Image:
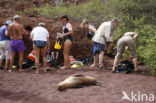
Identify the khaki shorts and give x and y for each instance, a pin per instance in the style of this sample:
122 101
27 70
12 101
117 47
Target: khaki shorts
5 49
122 43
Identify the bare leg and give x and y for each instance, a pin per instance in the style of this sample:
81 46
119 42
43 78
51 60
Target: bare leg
115 63
135 61
37 55
20 61
67 46
101 56
12 60
95 63
6 64
43 53
1 60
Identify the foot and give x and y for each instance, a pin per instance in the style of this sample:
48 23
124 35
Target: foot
45 70
6 68
1 68
136 71
20 70
10 70
93 65
102 67
37 72
113 71
64 67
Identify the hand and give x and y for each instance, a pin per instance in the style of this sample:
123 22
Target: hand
61 36
113 41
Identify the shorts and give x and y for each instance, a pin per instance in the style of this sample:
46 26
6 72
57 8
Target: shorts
122 43
97 48
17 45
5 49
39 44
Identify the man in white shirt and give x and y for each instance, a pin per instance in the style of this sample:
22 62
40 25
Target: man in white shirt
103 35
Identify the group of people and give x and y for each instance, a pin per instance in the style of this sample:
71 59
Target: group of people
103 36
11 41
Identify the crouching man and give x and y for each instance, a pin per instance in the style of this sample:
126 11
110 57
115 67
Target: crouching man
127 40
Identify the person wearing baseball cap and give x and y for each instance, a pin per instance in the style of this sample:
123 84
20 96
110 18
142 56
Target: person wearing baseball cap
4 44
15 32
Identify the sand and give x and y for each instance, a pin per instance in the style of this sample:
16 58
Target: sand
28 87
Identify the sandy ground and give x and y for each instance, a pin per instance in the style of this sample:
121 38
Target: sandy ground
28 87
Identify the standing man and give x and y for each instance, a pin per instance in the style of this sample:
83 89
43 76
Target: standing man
4 45
15 32
103 35
127 40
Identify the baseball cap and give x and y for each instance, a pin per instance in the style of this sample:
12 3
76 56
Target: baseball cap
8 22
16 17
41 24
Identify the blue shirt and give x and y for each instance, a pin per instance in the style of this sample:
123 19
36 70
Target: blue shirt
3 29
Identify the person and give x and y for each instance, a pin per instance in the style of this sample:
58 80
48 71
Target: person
127 40
40 38
103 35
67 37
15 32
5 45
91 29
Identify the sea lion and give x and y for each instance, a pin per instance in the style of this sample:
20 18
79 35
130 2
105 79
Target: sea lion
76 80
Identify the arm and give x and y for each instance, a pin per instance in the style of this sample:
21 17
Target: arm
92 28
6 34
8 31
69 27
69 33
135 35
31 36
24 31
48 43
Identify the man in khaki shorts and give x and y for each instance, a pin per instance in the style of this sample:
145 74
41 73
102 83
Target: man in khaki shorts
127 40
4 45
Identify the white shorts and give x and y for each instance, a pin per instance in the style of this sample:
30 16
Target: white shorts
5 51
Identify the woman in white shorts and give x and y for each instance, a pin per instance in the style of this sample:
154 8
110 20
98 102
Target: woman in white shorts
4 45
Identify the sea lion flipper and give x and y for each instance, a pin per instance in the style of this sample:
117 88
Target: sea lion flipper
99 84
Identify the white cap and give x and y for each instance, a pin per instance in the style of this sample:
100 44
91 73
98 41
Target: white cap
16 17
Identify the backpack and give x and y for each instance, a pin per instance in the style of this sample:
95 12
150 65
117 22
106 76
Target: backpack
126 66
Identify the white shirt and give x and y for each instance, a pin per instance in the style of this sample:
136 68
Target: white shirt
40 33
103 33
